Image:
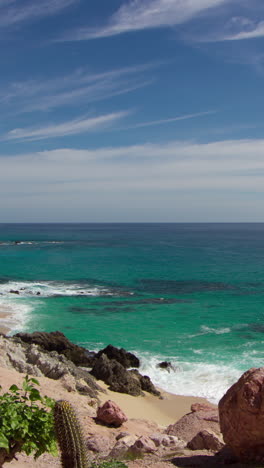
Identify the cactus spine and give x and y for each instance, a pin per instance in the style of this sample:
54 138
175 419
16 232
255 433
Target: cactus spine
70 437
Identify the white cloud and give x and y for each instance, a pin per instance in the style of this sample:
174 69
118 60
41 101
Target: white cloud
222 180
14 12
72 127
80 86
146 14
251 31
170 120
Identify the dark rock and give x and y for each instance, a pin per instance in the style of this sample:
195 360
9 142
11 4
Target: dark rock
145 382
13 291
166 365
120 379
116 376
120 355
57 341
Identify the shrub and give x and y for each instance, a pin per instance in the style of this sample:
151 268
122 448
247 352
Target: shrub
26 422
109 464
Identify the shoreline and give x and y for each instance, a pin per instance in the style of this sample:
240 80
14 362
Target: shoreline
4 314
162 411
170 405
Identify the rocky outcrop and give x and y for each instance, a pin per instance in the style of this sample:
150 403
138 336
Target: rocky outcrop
120 379
57 341
122 356
111 414
241 412
189 425
30 359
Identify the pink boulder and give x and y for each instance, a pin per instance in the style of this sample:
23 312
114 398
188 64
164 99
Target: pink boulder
189 425
241 412
111 414
143 445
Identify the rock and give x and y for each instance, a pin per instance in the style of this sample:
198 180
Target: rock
30 359
206 440
12 291
57 341
145 383
68 382
99 443
111 414
82 387
122 446
116 376
169 441
189 425
241 412
120 355
201 407
121 435
143 445
166 365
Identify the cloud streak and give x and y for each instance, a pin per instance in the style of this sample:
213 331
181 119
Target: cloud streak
14 12
69 90
135 15
170 120
72 127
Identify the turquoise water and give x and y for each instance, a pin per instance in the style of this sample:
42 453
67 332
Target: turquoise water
189 293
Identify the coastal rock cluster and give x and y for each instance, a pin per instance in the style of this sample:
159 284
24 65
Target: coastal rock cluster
54 356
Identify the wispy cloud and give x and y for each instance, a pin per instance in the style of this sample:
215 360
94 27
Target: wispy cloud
71 127
170 120
14 11
80 86
146 14
249 30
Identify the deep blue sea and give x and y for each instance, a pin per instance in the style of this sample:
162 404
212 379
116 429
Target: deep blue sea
192 294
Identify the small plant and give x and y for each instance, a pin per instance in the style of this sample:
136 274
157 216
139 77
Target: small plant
109 464
70 437
26 422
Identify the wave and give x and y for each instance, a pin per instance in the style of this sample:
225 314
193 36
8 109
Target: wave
200 379
29 242
13 315
51 289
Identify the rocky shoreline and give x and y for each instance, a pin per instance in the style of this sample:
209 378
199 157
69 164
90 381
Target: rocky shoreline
113 401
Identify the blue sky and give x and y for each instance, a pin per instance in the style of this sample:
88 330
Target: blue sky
131 110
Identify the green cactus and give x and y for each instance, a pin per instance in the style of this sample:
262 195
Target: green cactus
70 437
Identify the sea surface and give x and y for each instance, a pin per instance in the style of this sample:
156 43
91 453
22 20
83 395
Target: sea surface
191 294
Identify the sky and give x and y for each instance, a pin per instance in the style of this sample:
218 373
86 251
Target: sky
132 111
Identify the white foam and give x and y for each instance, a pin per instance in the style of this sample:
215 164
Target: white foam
14 315
205 330
216 331
48 289
199 379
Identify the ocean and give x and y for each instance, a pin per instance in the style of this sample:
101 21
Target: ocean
191 294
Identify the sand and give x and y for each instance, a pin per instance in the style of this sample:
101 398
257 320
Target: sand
163 411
